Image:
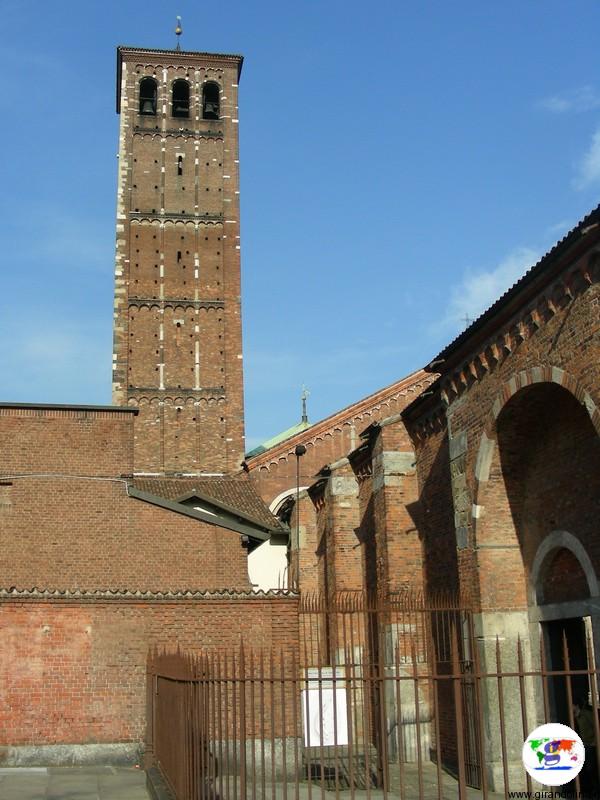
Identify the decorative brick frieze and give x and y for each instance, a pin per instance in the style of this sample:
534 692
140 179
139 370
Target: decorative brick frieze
555 299
200 217
179 132
154 302
125 595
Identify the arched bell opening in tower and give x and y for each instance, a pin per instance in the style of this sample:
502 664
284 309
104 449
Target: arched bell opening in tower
148 93
210 101
181 99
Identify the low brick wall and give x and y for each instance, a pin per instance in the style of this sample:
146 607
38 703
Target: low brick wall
73 671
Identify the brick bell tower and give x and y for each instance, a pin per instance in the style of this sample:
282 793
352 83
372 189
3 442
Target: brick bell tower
177 317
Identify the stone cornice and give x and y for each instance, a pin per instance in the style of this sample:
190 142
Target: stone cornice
181 56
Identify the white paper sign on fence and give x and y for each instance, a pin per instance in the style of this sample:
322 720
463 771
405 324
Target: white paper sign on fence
325 718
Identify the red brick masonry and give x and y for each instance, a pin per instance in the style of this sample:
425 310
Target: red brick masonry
74 671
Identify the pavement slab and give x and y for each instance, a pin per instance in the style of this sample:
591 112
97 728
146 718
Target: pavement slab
72 783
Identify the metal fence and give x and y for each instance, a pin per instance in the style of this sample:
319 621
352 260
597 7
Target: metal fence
385 698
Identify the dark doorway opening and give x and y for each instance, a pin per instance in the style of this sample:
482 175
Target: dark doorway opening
556 634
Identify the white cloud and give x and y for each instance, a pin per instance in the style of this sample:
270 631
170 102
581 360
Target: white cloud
558 230
584 98
589 166
479 289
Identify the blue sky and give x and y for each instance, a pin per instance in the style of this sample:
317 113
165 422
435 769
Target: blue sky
401 163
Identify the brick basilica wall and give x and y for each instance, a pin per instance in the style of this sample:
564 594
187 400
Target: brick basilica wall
458 492
518 418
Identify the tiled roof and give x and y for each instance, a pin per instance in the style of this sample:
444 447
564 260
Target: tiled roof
280 437
237 495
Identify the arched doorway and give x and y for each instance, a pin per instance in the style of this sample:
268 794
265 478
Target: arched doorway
542 475
538 477
564 589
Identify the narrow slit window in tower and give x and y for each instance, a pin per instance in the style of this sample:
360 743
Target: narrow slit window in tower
180 165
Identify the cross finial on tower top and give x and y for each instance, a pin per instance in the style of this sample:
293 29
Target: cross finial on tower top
304 395
178 32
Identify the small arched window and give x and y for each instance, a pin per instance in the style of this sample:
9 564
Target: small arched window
210 101
181 99
148 92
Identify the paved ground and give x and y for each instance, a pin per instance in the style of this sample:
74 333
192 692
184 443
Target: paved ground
120 783
72 783
402 787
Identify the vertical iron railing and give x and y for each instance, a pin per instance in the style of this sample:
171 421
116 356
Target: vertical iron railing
400 700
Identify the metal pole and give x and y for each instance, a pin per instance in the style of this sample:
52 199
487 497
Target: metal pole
299 451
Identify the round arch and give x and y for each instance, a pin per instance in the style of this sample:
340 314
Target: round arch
278 501
562 540
488 440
